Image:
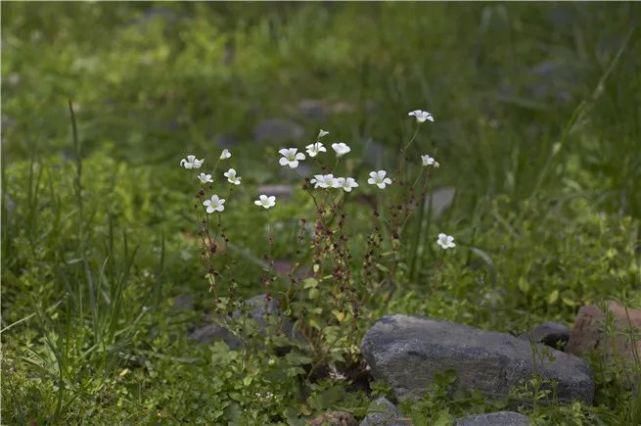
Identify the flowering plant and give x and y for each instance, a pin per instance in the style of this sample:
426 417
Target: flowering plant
341 272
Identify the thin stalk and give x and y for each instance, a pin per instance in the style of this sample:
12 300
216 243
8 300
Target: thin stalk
418 236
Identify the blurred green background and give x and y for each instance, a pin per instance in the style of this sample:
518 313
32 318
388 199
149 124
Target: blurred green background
538 128
153 81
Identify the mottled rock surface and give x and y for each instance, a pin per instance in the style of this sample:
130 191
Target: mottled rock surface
407 352
500 418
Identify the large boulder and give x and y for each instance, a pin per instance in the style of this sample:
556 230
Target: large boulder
408 352
500 418
590 332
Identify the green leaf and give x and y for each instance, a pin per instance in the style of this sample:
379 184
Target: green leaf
524 286
297 358
310 283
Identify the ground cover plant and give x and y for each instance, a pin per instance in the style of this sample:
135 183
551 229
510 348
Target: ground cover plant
108 268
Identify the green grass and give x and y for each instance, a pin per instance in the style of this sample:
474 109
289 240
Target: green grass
538 127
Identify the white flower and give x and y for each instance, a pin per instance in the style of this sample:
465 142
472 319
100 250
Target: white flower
445 241
314 149
421 116
191 162
205 178
225 154
214 204
290 157
337 375
341 149
265 201
429 161
378 178
323 181
322 133
345 183
231 177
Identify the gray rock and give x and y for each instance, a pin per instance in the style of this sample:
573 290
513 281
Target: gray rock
263 312
374 153
280 191
214 332
551 334
303 170
407 352
500 418
6 122
314 109
168 15
184 302
440 200
554 80
381 412
277 129
226 140
11 208
258 309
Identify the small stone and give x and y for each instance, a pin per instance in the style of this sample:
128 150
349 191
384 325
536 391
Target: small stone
551 334
589 332
11 208
440 200
226 140
334 418
259 309
214 332
256 308
283 267
342 107
278 130
374 153
313 109
409 352
500 418
184 302
287 268
280 191
381 412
